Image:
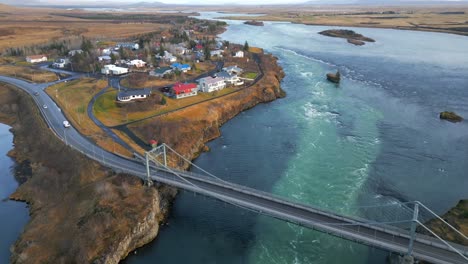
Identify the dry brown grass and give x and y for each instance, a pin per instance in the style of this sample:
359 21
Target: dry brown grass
28 74
414 18
28 26
151 82
107 111
73 98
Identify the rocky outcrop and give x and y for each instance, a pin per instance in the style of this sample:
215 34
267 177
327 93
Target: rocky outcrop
356 42
450 116
80 211
457 217
189 129
352 37
334 77
254 23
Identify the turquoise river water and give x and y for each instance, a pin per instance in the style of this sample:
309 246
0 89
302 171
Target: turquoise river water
375 139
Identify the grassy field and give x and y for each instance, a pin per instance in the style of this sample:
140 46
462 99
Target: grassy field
108 112
21 27
450 19
151 82
28 74
250 75
73 98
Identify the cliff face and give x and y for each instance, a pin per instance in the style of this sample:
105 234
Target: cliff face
80 212
189 129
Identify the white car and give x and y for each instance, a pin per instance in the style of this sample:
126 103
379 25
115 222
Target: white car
66 123
45 106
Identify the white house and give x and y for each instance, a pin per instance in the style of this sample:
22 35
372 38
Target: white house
239 54
72 53
137 63
233 70
128 45
138 94
218 53
104 58
230 78
114 70
210 84
169 57
36 58
60 63
106 51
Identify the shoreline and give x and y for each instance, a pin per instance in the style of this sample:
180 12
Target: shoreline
36 189
105 231
371 26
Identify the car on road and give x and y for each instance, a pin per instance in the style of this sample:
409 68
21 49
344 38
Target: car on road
45 106
66 123
36 93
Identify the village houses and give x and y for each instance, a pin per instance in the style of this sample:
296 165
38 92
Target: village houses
161 72
60 63
127 45
36 58
182 90
211 84
181 67
126 96
239 54
114 70
137 63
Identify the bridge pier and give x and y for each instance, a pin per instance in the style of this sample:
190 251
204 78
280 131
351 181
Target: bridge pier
398 259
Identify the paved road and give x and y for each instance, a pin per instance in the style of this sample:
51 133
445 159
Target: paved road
384 237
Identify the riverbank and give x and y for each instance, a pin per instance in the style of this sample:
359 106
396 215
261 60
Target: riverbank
189 129
71 198
80 211
451 19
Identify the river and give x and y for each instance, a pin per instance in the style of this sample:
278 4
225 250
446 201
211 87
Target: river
376 139
13 215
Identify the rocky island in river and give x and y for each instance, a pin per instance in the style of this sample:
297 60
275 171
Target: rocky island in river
254 23
351 36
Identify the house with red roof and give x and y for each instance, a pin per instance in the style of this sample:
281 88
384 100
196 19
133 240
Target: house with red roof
182 90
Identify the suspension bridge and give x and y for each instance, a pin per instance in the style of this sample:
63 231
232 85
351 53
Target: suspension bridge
392 230
380 226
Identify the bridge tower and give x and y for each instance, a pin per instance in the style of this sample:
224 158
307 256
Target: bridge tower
154 155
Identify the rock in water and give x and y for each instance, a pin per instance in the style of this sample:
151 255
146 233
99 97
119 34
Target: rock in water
356 42
450 116
334 77
254 23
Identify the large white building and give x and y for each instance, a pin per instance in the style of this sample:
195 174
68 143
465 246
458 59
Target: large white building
210 84
114 70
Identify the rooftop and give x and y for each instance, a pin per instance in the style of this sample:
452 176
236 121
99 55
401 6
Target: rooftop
211 80
127 93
